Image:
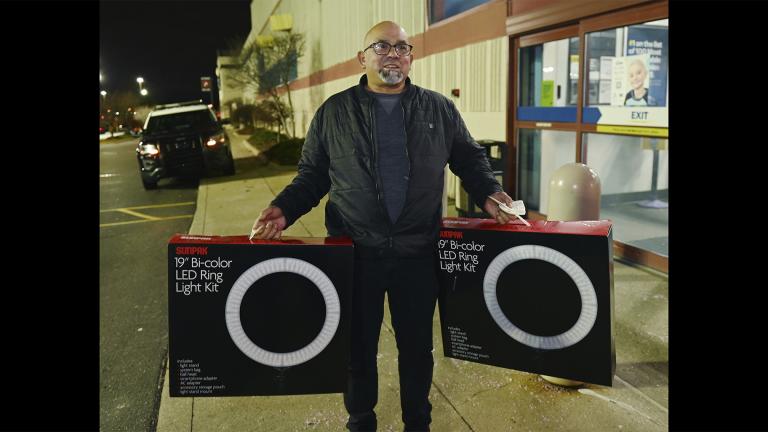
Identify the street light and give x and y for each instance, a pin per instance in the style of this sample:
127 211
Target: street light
142 90
103 96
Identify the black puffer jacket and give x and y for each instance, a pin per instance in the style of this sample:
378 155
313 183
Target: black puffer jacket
340 156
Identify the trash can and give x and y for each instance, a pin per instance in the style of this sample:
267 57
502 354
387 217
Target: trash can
496 152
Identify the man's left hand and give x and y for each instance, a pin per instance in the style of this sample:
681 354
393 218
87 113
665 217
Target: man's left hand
493 209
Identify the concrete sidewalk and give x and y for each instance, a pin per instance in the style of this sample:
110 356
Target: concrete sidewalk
465 396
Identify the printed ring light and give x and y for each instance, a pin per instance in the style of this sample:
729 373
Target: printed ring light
588 313
277 265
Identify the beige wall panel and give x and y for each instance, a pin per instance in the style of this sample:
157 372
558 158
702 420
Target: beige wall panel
478 70
308 100
335 29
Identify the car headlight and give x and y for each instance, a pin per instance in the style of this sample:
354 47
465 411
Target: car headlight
146 149
216 140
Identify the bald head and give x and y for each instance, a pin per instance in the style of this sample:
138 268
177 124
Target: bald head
390 28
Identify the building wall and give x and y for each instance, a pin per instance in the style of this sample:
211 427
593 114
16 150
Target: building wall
335 30
477 70
230 91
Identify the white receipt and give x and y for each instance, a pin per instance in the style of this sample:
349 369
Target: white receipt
517 208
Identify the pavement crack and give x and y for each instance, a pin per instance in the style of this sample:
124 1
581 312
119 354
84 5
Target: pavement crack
642 394
452 406
621 404
159 394
192 417
305 228
489 389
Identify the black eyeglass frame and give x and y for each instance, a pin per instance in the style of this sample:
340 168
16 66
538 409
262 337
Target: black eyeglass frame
410 48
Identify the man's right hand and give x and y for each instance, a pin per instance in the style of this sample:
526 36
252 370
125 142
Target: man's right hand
269 225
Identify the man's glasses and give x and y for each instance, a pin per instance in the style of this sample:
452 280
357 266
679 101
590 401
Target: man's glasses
383 48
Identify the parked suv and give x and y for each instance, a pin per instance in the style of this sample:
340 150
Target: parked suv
183 139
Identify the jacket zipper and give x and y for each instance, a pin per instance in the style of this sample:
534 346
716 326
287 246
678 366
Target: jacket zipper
407 156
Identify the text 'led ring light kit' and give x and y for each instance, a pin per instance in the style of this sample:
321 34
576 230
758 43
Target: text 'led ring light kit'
258 317
250 318
535 298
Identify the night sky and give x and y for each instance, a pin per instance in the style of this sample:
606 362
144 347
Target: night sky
171 44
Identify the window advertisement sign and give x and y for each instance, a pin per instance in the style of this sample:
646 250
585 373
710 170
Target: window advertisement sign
606 76
651 41
547 93
633 86
630 81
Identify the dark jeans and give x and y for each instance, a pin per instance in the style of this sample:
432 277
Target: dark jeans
411 287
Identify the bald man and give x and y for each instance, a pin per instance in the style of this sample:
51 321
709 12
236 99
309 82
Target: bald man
379 149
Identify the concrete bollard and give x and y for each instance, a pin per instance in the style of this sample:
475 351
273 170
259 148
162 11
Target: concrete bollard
574 194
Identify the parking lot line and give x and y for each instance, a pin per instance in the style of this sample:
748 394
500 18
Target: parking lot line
149 206
145 220
145 217
137 214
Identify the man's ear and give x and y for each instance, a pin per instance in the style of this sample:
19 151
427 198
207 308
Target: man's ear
361 58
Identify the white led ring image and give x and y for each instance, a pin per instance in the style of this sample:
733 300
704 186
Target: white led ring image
588 313
277 265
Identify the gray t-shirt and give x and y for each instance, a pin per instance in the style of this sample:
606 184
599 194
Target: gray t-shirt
393 162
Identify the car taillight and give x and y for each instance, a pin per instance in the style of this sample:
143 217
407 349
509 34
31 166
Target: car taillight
216 140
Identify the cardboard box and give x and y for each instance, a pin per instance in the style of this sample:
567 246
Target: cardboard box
258 317
537 299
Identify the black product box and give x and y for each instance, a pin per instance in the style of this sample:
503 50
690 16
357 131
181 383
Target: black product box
533 298
248 318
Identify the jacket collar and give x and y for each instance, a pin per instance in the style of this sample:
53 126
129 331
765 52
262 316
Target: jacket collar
362 93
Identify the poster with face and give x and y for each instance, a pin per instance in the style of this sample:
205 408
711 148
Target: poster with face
651 40
631 81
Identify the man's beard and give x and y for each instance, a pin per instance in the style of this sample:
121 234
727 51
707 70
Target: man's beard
390 76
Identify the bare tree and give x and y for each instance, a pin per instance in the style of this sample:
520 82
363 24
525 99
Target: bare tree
233 47
126 103
270 67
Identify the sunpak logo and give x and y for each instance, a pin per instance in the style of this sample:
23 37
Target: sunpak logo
452 234
192 250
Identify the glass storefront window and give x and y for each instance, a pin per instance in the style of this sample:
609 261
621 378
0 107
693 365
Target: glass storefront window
541 152
620 123
549 74
627 66
634 178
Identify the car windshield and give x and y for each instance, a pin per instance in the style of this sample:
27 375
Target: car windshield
180 121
